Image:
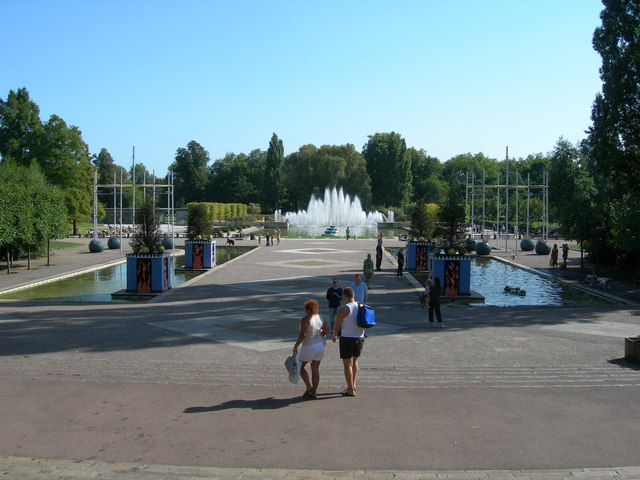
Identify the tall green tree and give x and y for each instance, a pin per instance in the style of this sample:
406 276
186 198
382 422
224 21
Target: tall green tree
389 168
310 170
425 171
237 178
191 175
451 216
19 126
106 167
615 134
571 186
613 143
65 161
273 173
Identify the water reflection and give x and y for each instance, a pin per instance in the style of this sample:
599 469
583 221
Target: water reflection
489 277
97 286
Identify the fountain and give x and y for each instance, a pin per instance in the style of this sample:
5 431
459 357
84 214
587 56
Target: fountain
335 209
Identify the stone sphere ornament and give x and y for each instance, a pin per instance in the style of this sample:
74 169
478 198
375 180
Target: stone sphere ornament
113 243
168 243
483 248
470 244
543 248
96 246
527 245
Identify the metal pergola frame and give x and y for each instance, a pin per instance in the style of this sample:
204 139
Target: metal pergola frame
506 186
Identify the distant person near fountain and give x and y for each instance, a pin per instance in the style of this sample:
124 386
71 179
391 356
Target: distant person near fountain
348 233
379 253
367 269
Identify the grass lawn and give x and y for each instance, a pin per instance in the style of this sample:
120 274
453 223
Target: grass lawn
59 244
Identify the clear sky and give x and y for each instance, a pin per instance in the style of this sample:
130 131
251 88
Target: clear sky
451 77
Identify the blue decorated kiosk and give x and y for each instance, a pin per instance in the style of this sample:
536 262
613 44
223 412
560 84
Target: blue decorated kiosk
199 254
149 272
454 272
418 254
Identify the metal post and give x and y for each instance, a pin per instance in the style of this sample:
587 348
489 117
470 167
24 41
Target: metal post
516 231
473 197
95 204
498 210
484 184
133 186
506 213
528 201
466 194
121 189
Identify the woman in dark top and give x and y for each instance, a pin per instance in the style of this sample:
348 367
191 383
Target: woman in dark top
434 301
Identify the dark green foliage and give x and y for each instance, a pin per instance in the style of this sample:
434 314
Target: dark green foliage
421 224
389 168
191 176
273 186
199 221
147 227
451 228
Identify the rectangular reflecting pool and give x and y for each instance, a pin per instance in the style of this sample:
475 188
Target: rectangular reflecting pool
490 276
98 285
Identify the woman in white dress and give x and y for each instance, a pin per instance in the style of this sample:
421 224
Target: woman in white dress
311 342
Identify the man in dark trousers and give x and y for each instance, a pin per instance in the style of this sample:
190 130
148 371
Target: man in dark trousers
400 263
334 296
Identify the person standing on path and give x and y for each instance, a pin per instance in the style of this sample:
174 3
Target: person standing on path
554 256
311 337
360 290
348 233
565 254
351 340
334 296
400 263
379 253
367 269
434 301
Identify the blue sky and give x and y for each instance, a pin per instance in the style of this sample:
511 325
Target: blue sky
451 77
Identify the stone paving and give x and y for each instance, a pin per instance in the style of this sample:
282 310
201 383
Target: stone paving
192 385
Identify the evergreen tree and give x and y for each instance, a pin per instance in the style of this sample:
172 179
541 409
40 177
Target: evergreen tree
273 173
452 216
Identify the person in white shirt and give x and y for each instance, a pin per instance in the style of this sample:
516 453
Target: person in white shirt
351 340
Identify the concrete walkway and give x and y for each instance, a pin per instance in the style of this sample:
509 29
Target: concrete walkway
192 385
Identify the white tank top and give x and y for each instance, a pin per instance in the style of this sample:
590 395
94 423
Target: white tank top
350 326
314 331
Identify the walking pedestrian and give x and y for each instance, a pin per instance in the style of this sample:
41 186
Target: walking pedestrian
351 340
360 289
334 296
434 301
400 263
312 342
367 269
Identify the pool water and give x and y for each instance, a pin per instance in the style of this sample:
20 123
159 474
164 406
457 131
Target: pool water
489 277
97 286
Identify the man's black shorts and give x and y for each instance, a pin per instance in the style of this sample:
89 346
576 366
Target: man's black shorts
351 347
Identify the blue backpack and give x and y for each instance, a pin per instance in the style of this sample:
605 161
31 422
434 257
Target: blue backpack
366 316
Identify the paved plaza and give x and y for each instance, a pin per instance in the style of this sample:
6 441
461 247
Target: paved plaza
192 384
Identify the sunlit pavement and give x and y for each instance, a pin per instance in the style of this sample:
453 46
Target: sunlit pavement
196 379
